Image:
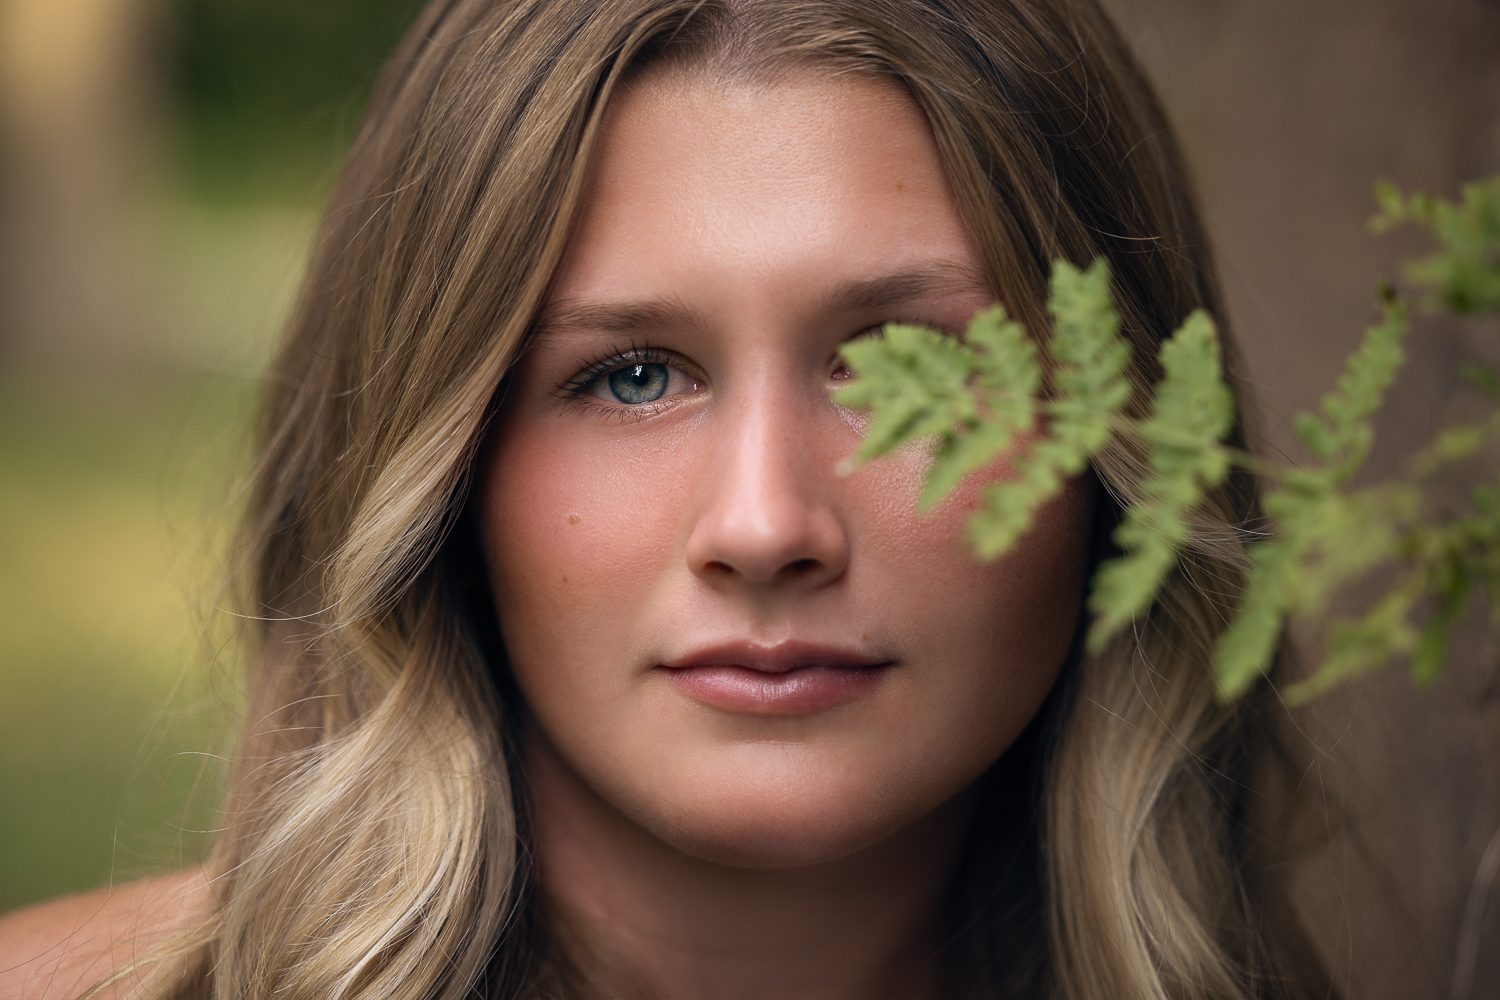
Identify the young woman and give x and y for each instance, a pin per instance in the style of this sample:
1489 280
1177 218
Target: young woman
581 670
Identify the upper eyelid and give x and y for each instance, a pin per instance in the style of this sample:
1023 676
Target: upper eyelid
617 357
575 389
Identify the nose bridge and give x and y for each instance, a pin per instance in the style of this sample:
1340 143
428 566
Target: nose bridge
768 442
768 511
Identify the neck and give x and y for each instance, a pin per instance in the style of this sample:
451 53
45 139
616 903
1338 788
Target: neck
864 926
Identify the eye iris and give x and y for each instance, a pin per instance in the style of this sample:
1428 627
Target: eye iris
638 383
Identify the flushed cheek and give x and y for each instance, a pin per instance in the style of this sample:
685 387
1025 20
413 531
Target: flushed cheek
1016 612
586 533
885 494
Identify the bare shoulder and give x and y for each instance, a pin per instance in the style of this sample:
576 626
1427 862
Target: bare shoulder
62 947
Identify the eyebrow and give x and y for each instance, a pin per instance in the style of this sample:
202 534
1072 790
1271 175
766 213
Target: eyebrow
935 278
672 313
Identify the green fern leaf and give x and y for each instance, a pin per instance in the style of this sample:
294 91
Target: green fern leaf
1463 275
915 382
1007 508
1341 433
1368 642
1009 379
1090 355
1090 391
1324 540
1191 414
1432 646
1246 647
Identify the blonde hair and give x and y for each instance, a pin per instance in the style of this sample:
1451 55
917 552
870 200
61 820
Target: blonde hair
376 840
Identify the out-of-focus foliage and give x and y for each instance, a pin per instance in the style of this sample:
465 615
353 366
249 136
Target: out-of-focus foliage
1464 274
1326 536
184 212
113 700
275 84
1192 411
917 382
1326 532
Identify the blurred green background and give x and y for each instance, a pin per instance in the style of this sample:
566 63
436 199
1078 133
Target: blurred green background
161 169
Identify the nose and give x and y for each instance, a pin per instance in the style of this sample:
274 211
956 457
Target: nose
769 516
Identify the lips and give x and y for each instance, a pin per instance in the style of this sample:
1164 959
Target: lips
786 678
778 658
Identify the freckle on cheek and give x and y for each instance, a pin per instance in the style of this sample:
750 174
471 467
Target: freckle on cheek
574 519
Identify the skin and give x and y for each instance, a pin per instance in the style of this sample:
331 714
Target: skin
64 946
723 853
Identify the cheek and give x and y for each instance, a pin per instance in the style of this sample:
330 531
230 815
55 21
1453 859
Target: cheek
572 531
1003 626
937 547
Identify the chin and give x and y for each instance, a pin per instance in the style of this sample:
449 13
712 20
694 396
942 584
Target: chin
784 821
770 839
754 805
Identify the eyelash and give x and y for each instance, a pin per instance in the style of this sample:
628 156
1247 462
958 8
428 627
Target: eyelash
607 362
575 390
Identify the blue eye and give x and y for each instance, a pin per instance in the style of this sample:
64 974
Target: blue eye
635 384
640 381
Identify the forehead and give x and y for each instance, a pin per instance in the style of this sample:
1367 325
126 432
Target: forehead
694 178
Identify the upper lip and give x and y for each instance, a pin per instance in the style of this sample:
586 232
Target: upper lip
773 658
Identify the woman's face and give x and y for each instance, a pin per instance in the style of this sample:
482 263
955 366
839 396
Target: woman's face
721 638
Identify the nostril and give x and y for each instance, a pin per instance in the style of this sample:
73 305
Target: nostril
764 530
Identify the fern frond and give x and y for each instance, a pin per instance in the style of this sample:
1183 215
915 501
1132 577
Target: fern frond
981 398
1245 649
1008 381
1370 641
1090 391
1341 433
1324 540
915 381
1463 276
1090 355
1191 414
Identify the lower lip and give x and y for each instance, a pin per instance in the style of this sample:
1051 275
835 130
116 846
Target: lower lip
802 691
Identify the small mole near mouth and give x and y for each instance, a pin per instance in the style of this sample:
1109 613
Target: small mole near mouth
574 519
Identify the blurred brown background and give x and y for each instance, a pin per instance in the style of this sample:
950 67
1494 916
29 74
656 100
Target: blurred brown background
1288 111
161 164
